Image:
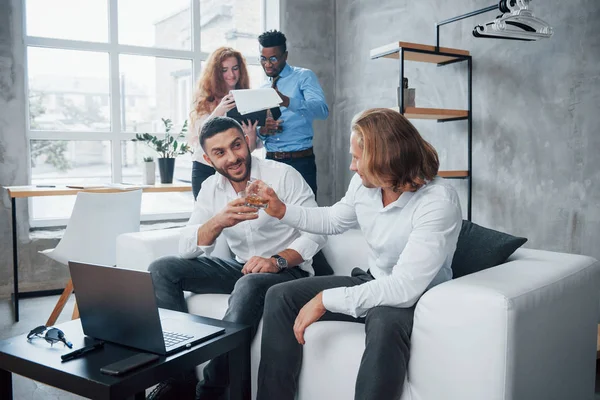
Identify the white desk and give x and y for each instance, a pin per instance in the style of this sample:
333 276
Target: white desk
16 192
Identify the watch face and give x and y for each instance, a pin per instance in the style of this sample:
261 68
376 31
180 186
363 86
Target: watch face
281 262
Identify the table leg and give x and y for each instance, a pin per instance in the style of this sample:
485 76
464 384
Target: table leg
239 371
6 385
15 259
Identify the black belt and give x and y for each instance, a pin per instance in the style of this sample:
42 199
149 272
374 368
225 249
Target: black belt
282 155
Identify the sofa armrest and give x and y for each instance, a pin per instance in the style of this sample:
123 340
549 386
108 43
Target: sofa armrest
346 251
137 250
523 330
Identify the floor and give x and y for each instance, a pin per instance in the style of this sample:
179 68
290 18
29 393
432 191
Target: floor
35 312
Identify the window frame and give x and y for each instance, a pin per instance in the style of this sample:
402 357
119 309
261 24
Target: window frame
270 19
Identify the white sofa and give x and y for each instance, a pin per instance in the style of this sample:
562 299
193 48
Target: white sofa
524 330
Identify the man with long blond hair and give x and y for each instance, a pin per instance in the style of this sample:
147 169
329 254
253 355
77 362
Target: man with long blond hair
410 219
225 70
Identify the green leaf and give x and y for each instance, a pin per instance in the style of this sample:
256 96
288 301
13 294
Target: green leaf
169 146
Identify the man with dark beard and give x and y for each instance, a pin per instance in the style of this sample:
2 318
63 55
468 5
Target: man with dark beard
267 251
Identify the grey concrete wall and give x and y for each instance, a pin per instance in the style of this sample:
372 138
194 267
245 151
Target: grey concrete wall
536 110
536 114
36 271
309 26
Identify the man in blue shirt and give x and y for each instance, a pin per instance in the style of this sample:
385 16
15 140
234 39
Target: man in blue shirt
289 139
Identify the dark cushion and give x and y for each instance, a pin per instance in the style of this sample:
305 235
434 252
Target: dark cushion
480 248
321 265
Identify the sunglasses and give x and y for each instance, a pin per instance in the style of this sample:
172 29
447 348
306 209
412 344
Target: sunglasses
52 335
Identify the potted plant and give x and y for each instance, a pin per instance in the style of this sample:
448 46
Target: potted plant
149 171
167 148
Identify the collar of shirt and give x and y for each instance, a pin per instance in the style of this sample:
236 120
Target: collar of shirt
254 174
403 199
287 70
400 202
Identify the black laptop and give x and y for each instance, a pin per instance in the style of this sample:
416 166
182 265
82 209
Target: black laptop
118 305
260 116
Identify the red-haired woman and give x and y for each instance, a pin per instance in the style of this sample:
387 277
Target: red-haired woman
225 70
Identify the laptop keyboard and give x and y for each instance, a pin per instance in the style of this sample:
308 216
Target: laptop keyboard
172 338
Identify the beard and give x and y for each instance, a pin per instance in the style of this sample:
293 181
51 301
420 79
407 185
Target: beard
274 72
248 165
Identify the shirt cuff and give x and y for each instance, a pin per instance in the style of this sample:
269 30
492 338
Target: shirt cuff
189 243
334 300
292 216
305 247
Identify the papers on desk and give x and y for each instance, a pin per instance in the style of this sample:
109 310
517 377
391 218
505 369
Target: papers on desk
127 186
121 186
96 186
251 100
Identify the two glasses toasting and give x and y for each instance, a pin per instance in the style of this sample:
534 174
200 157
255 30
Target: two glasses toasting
253 196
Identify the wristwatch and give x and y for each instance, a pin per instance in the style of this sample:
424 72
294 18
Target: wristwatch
280 262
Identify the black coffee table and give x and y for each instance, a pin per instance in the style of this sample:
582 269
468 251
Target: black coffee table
39 361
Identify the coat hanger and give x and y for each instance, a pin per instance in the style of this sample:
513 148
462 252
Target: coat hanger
517 23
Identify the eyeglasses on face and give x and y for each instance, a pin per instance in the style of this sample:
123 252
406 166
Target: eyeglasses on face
272 59
52 335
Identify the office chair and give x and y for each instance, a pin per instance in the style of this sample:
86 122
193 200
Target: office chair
96 221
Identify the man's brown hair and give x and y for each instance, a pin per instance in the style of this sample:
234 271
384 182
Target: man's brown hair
394 153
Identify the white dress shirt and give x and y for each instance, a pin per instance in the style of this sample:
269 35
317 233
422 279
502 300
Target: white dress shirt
411 242
264 236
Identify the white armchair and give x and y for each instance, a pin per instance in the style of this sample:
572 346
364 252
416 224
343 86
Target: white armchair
525 329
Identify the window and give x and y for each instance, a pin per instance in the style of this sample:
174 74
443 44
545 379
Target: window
100 71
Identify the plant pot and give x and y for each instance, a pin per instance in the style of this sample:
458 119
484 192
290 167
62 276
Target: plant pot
166 167
149 173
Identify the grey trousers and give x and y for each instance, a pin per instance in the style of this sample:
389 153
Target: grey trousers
174 275
385 360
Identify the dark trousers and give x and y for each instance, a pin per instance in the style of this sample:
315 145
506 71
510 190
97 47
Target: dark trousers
307 168
199 174
174 275
385 360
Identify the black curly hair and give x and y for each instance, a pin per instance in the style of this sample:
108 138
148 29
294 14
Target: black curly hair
273 38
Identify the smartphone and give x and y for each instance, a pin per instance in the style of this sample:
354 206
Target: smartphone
122 367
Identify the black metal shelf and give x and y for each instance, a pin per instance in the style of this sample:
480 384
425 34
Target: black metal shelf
405 51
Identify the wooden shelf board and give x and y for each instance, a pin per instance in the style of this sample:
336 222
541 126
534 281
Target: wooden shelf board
453 174
392 50
432 113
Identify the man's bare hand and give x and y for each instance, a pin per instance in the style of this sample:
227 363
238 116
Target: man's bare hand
257 265
235 212
310 313
285 100
271 127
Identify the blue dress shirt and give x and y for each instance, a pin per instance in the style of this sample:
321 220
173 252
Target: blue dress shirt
307 103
